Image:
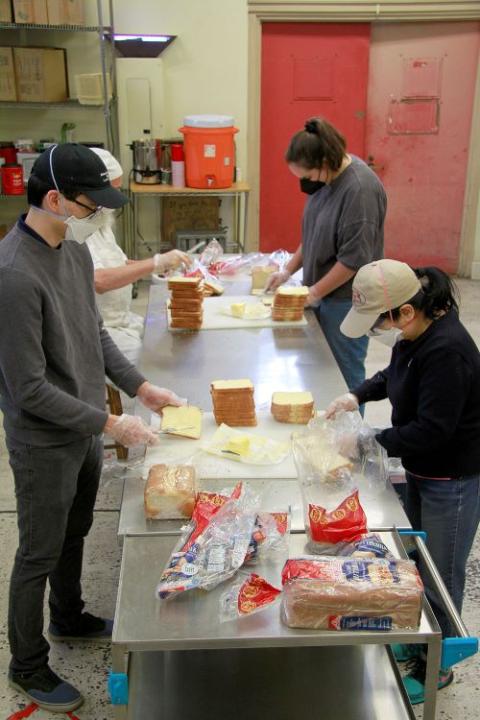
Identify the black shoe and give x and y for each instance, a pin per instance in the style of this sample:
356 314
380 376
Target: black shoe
47 690
88 627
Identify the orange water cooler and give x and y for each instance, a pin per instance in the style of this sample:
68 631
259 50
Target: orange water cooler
209 150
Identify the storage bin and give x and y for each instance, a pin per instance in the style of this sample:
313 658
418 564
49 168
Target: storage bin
209 150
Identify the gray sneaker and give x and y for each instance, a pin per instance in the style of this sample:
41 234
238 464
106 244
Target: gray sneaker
47 690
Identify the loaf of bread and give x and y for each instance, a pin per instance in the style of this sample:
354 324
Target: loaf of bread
346 593
170 492
292 407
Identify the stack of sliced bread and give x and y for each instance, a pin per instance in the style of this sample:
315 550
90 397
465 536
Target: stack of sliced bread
288 303
186 302
212 287
292 407
233 402
260 276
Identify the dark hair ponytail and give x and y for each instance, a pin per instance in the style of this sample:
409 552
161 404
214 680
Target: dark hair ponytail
439 292
319 142
438 295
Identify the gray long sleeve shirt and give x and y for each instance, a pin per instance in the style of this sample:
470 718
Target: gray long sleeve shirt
54 350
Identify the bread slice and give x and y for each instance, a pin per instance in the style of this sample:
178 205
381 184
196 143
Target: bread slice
214 288
170 492
292 407
183 282
231 385
185 420
260 275
292 291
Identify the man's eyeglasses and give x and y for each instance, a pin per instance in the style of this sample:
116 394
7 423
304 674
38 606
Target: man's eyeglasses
87 207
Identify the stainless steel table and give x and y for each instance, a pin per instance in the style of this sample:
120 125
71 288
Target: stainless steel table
192 658
271 358
180 661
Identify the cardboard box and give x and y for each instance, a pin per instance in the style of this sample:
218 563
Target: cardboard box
66 12
6 14
8 89
41 74
189 213
30 11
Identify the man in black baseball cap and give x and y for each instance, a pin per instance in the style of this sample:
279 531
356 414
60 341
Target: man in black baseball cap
76 168
54 355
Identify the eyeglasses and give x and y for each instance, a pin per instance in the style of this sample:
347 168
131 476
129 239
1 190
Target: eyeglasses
87 207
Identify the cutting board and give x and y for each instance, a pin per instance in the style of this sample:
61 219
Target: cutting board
178 450
215 317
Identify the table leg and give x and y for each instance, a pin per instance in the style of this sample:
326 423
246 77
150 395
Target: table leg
245 220
120 660
434 649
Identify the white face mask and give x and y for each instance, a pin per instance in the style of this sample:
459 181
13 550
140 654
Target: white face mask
79 229
387 337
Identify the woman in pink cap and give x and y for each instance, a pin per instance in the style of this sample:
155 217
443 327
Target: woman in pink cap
433 384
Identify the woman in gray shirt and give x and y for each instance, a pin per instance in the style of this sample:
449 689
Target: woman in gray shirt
342 230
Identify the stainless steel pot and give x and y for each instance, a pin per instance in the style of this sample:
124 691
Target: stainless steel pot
146 160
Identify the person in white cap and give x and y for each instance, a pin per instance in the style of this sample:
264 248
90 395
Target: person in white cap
114 274
433 383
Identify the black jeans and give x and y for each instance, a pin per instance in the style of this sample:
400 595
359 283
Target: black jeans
55 489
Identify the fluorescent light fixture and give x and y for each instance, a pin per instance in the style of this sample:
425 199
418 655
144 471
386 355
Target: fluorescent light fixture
131 45
144 38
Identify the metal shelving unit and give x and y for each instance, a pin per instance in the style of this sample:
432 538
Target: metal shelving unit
107 65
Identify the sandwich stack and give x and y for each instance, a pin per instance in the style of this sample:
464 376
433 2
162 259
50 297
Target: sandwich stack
292 407
233 402
289 302
186 302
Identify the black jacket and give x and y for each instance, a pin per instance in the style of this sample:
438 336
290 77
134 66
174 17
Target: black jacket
433 384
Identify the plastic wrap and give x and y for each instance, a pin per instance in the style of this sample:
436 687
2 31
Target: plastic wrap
247 595
367 546
169 492
245 447
217 551
329 593
269 537
334 459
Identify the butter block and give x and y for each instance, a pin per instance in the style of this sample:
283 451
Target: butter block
239 444
237 309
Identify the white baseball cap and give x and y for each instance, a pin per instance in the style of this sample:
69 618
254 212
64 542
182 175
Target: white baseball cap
377 288
114 168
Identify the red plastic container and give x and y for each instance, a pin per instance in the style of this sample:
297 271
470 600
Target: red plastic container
9 153
209 150
177 152
12 180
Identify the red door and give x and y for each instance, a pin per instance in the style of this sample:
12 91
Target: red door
420 99
307 69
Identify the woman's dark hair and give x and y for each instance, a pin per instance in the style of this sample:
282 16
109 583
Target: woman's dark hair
438 295
319 142
37 189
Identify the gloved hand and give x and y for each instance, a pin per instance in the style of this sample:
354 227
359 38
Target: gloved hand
162 262
130 430
347 402
155 398
276 279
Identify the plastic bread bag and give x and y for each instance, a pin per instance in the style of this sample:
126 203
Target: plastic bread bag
269 537
345 593
245 447
240 264
368 546
330 531
248 594
212 253
216 553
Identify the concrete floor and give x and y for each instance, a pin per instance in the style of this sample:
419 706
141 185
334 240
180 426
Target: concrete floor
86 665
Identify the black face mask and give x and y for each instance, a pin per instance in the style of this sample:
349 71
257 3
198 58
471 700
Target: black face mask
310 186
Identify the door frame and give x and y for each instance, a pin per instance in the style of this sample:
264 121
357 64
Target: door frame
260 11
